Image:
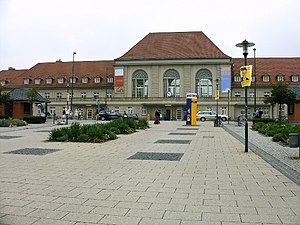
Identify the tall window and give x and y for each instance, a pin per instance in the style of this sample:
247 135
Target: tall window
96 95
171 83
139 84
58 95
204 83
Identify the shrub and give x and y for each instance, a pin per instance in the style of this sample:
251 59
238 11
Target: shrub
142 124
280 137
19 122
58 134
263 120
35 119
5 123
2 116
96 133
83 138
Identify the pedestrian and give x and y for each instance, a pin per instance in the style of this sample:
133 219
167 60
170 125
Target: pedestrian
156 117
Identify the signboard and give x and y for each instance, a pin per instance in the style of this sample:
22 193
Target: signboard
225 79
246 73
119 84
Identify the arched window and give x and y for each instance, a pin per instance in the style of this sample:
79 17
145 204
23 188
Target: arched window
139 84
204 83
171 82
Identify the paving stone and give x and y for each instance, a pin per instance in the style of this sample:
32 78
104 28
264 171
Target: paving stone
110 211
83 217
120 220
19 220
146 213
48 214
246 218
183 215
53 222
151 221
21 211
221 217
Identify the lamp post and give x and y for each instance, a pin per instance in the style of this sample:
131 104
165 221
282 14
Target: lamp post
254 50
245 44
217 98
72 84
68 96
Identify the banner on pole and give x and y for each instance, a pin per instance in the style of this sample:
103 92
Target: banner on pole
246 74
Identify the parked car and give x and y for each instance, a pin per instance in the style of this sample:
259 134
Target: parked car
108 115
210 115
133 116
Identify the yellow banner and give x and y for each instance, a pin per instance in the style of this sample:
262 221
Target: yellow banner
246 74
217 95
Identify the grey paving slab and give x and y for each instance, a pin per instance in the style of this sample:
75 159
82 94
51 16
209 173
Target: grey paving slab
214 182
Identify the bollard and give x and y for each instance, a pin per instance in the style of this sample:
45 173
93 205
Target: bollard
294 141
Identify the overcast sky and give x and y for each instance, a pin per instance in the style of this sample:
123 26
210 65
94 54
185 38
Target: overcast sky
33 31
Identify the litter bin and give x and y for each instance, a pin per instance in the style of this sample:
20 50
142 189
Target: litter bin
294 140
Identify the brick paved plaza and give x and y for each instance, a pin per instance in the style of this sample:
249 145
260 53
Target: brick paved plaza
214 182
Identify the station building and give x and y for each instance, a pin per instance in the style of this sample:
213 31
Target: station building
156 74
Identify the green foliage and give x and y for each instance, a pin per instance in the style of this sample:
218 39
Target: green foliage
264 120
4 97
278 130
32 94
2 116
282 95
83 138
35 119
18 122
12 122
96 133
280 137
142 124
5 123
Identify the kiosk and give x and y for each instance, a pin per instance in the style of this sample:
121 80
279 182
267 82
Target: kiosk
191 109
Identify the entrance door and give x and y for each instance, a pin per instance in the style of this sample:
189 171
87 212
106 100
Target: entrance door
89 114
168 114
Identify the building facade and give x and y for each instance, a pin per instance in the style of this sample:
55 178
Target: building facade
156 74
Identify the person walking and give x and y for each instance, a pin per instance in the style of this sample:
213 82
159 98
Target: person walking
156 117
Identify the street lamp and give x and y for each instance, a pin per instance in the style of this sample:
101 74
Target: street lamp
245 45
217 124
72 84
68 97
254 50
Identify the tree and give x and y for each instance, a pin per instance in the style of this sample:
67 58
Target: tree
4 97
32 94
280 94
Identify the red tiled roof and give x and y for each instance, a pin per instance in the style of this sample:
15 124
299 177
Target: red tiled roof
11 76
174 45
61 69
272 67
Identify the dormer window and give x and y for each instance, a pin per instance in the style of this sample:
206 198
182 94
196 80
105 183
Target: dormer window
60 80
85 80
266 78
2 82
97 80
37 81
110 80
49 80
26 81
73 80
237 79
295 78
280 78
